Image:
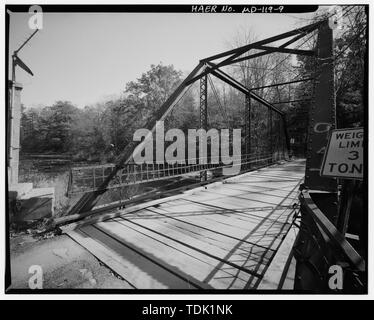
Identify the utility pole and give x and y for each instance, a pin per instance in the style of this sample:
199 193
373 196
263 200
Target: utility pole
14 119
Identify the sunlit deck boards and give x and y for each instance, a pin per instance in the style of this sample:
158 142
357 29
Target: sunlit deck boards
222 237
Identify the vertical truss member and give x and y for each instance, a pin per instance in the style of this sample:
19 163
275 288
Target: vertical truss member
203 122
247 139
322 113
270 145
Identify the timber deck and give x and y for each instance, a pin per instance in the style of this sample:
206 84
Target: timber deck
223 236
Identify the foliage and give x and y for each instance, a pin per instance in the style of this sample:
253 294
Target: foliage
351 48
101 131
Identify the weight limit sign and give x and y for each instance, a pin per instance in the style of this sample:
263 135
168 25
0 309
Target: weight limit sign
344 155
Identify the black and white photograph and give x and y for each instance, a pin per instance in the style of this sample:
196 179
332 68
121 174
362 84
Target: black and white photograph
186 149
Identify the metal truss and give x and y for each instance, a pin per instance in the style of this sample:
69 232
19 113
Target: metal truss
205 67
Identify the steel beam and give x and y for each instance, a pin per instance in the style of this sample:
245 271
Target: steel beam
336 238
269 50
289 101
286 50
244 49
247 125
237 85
239 51
88 200
271 133
252 56
294 39
204 103
322 113
203 118
282 83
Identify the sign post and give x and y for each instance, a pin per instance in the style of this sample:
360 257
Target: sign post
344 160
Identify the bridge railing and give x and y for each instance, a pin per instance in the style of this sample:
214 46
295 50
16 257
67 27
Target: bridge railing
321 251
89 178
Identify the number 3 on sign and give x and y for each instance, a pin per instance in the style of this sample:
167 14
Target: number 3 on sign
354 156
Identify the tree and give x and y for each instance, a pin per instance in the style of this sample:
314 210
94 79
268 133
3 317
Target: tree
101 132
48 130
350 51
152 89
58 122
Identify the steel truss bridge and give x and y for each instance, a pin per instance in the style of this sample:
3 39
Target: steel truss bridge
319 244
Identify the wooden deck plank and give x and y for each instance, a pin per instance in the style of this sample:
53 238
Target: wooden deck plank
185 246
227 223
205 231
137 270
248 195
236 202
257 181
261 190
223 202
198 232
240 219
172 254
279 216
242 258
223 236
250 187
243 232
